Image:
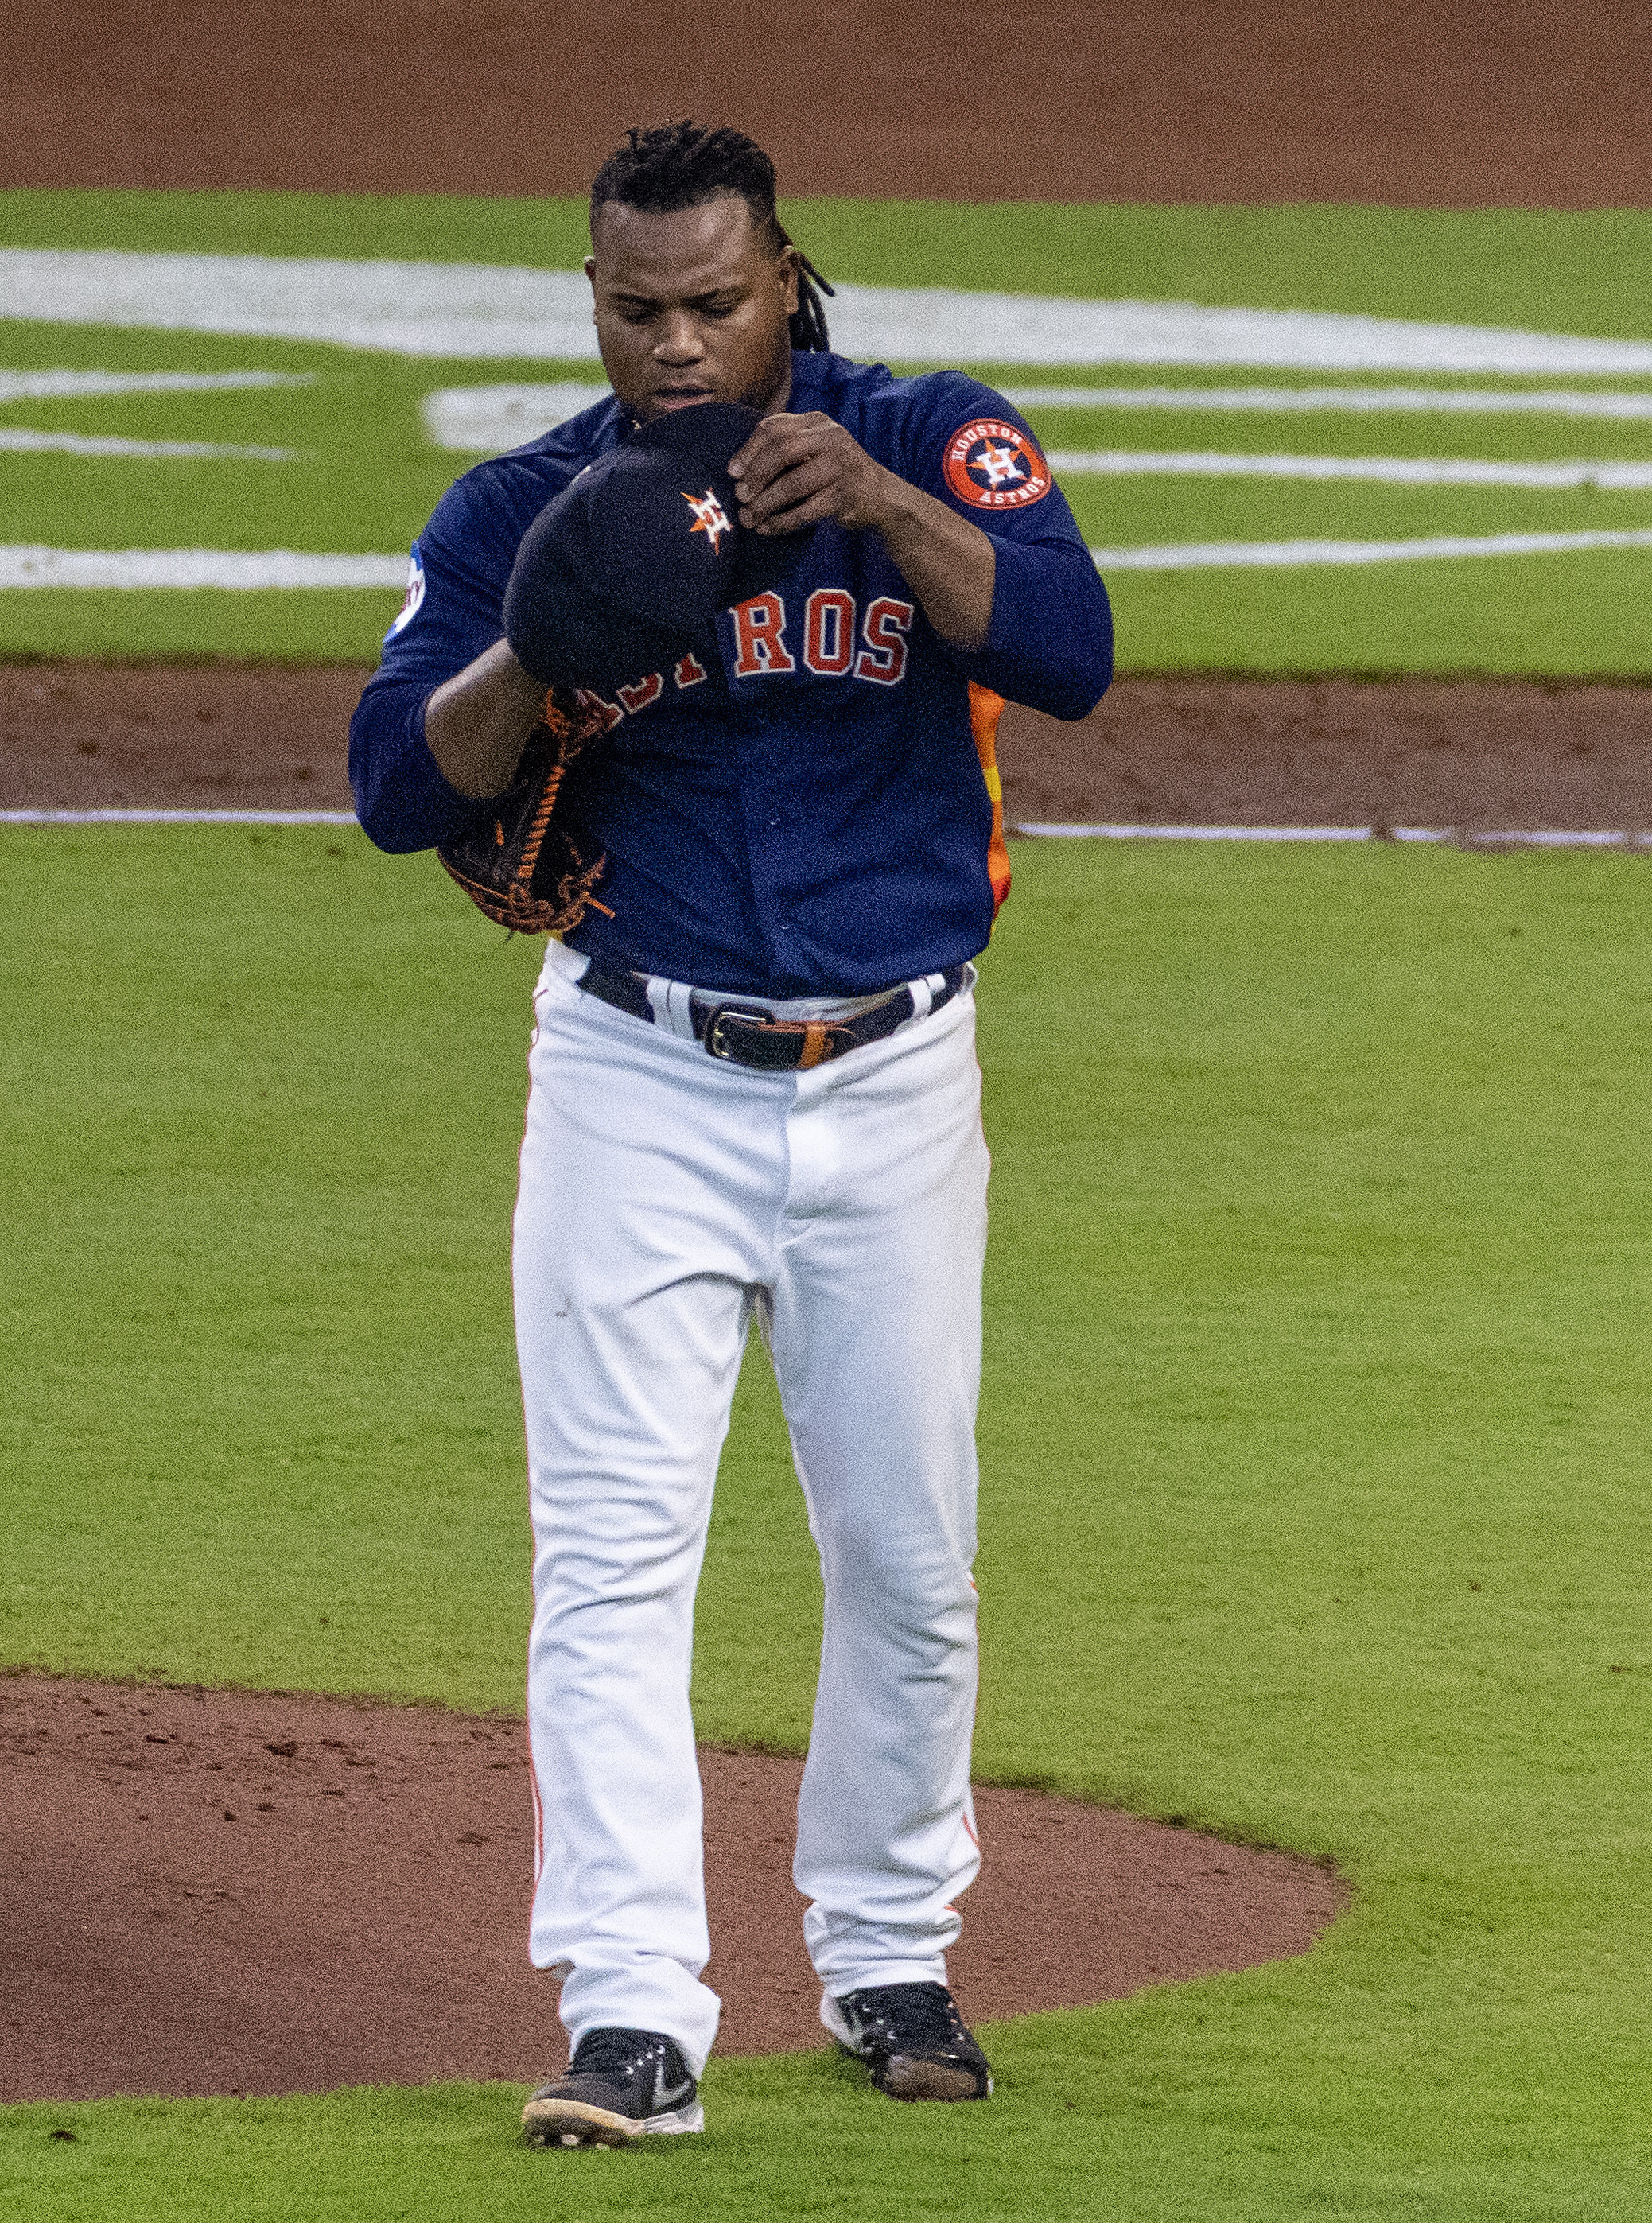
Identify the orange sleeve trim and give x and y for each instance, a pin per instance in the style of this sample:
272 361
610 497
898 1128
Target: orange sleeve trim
984 710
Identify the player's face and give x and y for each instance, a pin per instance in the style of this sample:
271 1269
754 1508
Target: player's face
692 306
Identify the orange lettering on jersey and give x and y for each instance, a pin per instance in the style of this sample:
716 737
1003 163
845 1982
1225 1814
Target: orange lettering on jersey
829 632
759 638
610 713
689 670
883 657
642 692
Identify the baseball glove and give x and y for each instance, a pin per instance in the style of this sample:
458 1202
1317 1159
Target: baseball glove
519 865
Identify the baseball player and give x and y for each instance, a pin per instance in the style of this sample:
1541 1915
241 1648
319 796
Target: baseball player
754 1096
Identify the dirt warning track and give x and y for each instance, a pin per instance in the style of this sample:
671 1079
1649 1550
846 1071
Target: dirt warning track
1413 104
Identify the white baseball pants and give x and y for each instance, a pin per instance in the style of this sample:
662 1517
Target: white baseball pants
666 1199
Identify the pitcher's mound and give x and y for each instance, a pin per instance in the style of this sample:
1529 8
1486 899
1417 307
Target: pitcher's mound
251 1892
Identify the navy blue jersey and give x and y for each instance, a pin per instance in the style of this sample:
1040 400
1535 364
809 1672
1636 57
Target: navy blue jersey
814 811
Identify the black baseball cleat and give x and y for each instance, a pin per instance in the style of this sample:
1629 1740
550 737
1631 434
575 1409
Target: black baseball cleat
620 2086
913 2040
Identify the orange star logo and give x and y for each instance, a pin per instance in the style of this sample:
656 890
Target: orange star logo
710 517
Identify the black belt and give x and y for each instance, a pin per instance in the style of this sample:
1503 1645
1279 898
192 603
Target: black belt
748 1034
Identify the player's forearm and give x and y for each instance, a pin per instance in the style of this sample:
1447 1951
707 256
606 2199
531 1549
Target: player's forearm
477 724
948 563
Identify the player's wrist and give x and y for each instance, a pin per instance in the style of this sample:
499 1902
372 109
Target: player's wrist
895 508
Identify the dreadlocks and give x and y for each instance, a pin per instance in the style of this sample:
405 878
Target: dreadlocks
675 166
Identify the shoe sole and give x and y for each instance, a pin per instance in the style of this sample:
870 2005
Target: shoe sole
577 2123
930 2080
920 2079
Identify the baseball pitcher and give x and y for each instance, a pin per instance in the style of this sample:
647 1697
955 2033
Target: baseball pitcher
704 685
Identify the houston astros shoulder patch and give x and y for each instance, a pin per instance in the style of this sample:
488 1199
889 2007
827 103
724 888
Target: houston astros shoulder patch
995 466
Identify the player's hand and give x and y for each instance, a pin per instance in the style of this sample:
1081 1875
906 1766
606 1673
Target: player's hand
795 472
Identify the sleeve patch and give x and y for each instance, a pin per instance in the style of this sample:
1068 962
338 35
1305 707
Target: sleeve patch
992 465
415 593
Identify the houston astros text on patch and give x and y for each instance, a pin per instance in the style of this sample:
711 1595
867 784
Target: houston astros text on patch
705 682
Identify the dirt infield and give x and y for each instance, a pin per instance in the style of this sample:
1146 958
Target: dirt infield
242 1891
1477 755
1472 755
84 736
1164 100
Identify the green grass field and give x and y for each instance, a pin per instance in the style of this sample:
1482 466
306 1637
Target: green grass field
1313 1436
365 476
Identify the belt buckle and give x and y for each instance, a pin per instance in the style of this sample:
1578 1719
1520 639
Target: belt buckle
716 1043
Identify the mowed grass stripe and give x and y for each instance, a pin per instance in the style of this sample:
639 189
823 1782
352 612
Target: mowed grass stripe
1314 1507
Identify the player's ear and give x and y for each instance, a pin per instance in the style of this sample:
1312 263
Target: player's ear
791 267
590 267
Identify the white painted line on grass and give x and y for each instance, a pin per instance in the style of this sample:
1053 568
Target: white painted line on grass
1383 470
1471 838
1127 833
933 326
249 568
1360 400
235 568
475 309
1544 838
488 419
1552 838
481 310
95 385
1218 555
176 817
16 439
